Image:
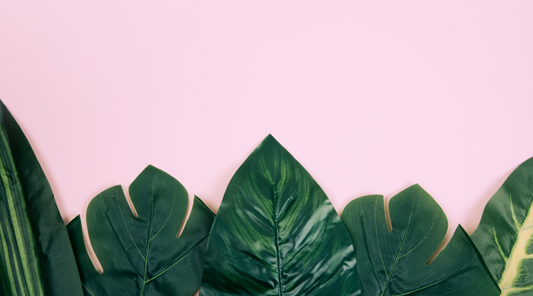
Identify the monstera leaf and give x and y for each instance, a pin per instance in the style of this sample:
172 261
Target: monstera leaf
505 234
276 233
395 262
143 256
35 253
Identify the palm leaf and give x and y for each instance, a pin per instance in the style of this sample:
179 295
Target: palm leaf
35 253
143 256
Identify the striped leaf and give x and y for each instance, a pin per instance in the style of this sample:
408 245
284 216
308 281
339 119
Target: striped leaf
276 233
35 253
395 262
505 234
143 255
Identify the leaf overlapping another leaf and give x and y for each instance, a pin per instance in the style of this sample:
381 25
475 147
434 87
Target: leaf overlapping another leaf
143 256
276 233
394 262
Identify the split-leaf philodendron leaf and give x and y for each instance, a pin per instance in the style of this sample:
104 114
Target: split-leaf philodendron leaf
276 233
35 253
395 262
143 255
505 234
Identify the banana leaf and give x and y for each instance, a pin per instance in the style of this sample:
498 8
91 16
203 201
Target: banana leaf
35 253
505 234
395 262
142 255
276 233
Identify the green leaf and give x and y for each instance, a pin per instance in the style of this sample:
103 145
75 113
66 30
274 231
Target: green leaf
276 233
505 234
395 262
35 253
143 256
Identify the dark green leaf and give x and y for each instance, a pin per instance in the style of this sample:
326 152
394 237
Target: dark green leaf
143 256
505 234
35 253
276 233
394 263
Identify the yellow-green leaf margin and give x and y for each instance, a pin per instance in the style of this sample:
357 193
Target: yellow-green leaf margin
505 234
35 253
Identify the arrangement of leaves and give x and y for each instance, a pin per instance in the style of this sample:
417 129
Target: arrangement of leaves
142 255
35 252
276 233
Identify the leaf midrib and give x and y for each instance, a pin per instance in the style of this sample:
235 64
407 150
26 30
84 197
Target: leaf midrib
399 250
30 270
518 250
149 239
397 257
276 238
277 218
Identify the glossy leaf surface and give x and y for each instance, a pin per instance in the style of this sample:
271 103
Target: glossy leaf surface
394 263
505 234
276 233
143 256
35 253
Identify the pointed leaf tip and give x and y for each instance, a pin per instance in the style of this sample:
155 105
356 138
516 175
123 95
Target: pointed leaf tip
504 233
269 140
39 260
276 233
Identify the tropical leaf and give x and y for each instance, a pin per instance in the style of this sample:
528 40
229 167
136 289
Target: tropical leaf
276 233
143 256
35 253
505 234
395 262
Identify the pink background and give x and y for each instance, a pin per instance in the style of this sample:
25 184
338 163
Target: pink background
370 96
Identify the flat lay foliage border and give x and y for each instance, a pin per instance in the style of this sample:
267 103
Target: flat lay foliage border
276 234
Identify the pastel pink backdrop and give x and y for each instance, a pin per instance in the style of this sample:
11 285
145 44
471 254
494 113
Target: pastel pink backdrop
370 97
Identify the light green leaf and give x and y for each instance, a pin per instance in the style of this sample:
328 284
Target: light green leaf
276 233
505 234
143 256
394 262
35 253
